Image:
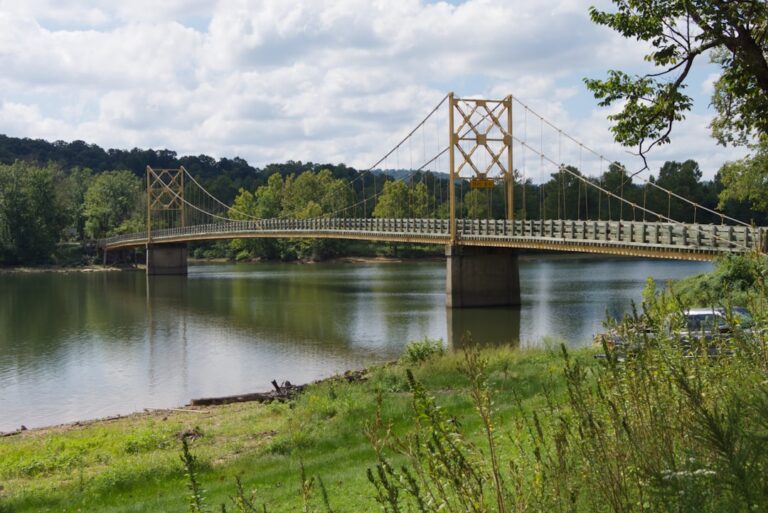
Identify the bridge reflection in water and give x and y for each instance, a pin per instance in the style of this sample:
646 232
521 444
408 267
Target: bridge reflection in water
485 326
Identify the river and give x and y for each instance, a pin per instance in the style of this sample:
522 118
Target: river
84 345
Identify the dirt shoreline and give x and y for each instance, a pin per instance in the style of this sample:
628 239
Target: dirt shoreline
350 376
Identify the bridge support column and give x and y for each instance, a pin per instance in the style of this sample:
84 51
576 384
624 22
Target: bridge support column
166 259
481 276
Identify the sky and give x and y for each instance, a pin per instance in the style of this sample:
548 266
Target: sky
336 81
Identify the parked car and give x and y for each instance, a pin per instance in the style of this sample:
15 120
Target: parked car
621 343
695 326
714 323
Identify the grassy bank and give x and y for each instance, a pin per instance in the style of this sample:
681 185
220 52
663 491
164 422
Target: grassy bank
132 464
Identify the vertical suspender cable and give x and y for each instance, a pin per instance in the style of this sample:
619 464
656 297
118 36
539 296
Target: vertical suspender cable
645 200
599 193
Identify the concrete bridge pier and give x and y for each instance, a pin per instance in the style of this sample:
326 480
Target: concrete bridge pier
481 276
166 259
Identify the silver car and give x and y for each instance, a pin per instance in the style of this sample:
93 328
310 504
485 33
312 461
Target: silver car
710 323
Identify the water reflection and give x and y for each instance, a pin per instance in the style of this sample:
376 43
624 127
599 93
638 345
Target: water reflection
489 326
80 345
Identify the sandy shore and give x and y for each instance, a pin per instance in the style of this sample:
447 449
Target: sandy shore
66 269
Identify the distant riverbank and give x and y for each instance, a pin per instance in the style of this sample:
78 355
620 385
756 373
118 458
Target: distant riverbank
379 259
64 269
331 260
341 259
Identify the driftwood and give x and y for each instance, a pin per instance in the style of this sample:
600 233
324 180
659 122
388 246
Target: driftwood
176 409
281 393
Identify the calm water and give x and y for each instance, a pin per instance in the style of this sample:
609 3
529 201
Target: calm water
84 345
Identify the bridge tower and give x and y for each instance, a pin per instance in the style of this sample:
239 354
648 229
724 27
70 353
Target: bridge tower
480 276
165 210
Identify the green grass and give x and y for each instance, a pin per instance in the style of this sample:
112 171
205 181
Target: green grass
132 464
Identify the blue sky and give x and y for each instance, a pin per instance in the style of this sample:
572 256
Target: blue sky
319 80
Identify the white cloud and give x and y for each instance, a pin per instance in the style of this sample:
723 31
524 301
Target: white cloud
320 80
18 117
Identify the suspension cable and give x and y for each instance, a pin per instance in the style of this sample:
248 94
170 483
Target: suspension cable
630 203
645 180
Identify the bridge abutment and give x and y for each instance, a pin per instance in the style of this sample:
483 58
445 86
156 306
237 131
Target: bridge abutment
481 276
166 259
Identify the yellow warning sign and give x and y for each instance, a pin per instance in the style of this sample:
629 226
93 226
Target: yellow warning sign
481 183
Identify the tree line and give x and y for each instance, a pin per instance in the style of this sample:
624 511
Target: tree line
44 204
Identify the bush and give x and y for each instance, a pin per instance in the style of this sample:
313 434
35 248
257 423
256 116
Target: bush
734 277
420 351
243 255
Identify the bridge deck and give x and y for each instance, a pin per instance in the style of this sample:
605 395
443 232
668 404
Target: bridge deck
648 239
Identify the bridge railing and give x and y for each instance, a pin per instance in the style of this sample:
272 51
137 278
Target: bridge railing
650 234
705 236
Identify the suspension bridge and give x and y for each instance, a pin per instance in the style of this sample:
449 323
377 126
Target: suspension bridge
488 150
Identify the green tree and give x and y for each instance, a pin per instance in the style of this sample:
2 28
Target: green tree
72 194
243 207
264 204
733 33
269 198
332 195
747 179
113 204
32 215
393 201
616 181
683 178
312 195
476 204
419 200
398 201
564 196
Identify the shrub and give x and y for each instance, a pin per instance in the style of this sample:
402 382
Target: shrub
420 351
243 255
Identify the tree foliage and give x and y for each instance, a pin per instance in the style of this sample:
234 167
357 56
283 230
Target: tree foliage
746 180
31 213
733 33
393 202
398 200
72 192
299 196
112 201
477 204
